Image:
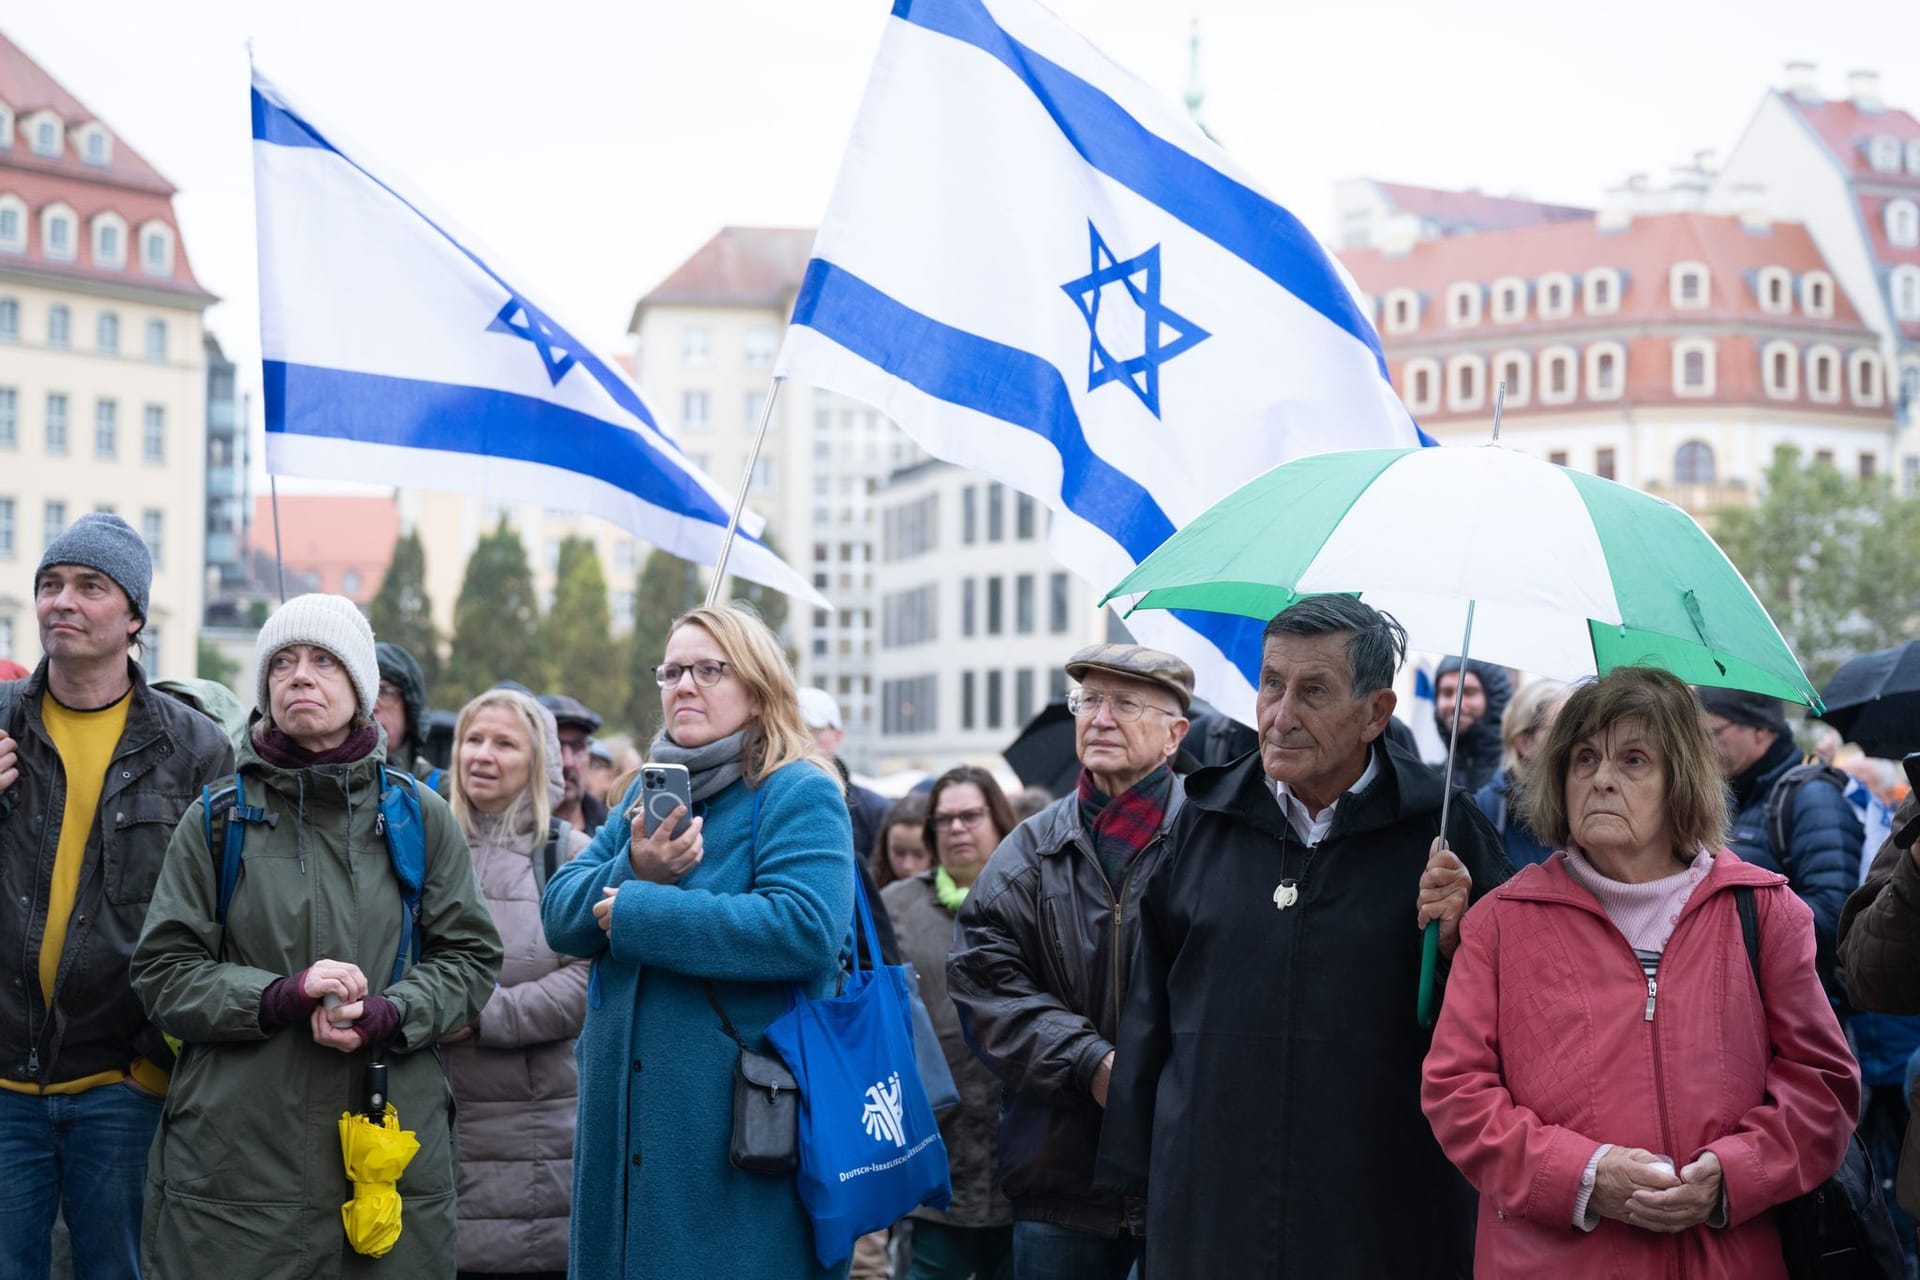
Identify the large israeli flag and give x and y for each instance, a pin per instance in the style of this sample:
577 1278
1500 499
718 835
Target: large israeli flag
394 354
1043 271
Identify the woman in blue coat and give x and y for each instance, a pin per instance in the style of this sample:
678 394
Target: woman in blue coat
755 897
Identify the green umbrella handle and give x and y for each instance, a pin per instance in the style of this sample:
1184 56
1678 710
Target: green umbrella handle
1429 967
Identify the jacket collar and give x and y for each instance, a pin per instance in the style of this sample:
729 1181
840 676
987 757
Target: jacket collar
1057 827
1404 786
1548 882
145 722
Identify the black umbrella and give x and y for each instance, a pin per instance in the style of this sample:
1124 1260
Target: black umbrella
1874 700
1043 755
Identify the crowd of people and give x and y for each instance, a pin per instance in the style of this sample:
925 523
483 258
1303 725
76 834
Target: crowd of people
1177 1008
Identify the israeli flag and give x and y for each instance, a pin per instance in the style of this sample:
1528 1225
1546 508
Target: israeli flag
1044 272
393 353
1420 715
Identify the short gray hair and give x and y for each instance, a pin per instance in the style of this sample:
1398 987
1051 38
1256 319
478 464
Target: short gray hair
1376 642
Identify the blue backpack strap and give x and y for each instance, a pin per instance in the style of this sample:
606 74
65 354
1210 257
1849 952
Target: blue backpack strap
433 778
225 805
401 823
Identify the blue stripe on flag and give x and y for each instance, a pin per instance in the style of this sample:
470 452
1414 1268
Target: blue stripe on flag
275 124
1020 389
369 408
1241 220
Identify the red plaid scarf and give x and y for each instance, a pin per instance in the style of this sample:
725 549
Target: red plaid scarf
1123 825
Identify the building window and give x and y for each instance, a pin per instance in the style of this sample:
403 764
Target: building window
1463 305
759 347
969 514
1913 155
1023 695
1903 223
1687 283
1883 153
1816 288
1423 385
156 249
151 527
106 428
1823 375
1823 457
752 405
1556 296
106 332
762 481
1514 369
1603 464
696 345
1774 285
44 135
1023 604
1023 517
56 422
1869 465
9 320
1466 382
56 232
1600 288
1558 457
996 605
1693 463
1693 367
1863 375
59 326
996 512
1904 284
7 551
94 145
1402 311
621 610
153 434
1057 603
966 699
696 409
53 521
1606 371
966 606
9 418
1509 300
996 688
6 143
1558 382
156 340
109 241
1780 369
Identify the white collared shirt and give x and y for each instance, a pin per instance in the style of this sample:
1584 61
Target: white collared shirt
1312 828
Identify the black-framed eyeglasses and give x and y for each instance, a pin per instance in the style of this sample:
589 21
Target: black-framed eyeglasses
706 673
965 817
1086 703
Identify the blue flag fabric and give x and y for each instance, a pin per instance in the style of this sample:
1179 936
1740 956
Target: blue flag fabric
1043 271
394 353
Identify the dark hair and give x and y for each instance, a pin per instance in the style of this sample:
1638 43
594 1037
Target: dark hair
1671 716
997 807
909 810
1376 643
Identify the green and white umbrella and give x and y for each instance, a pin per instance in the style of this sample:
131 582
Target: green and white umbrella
1567 575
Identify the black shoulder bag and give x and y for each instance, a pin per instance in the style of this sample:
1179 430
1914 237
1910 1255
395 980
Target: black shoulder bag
1841 1229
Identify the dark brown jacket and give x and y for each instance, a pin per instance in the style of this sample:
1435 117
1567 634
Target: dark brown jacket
1880 955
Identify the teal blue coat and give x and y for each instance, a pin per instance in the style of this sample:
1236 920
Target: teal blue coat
654 1197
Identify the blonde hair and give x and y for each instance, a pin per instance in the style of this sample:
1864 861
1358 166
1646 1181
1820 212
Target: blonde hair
526 714
1531 708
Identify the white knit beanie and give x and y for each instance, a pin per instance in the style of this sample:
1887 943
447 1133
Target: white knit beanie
333 623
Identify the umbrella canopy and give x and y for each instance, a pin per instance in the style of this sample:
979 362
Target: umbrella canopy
1043 755
375 1156
1874 701
1569 575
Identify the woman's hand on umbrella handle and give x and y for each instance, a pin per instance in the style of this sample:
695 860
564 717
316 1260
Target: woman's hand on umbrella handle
328 1036
1445 887
335 978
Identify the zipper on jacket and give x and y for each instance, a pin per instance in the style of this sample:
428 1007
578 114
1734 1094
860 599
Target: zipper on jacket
1119 982
1653 990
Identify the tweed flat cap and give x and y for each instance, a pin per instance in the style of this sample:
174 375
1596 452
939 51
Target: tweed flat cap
1137 662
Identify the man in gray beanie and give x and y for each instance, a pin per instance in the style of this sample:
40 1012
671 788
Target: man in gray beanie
102 769
1787 817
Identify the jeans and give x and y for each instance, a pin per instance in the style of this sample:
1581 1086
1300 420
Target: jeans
1045 1251
83 1155
942 1252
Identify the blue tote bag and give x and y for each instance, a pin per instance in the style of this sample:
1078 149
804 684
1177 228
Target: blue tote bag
870 1151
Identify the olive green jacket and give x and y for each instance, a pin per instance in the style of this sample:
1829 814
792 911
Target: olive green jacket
245 1177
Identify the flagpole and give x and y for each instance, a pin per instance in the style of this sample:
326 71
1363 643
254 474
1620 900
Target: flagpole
740 503
279 564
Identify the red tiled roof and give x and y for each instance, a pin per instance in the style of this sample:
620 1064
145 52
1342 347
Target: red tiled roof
1845 129
739 267
27 88
1475 210
327 538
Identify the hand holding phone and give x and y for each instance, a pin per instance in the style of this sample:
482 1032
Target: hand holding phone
666 841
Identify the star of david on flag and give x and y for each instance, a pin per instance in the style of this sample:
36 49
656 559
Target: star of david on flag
1139 279
394 353
1087 234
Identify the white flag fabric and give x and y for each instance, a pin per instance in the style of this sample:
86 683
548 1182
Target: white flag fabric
1044 272
394 354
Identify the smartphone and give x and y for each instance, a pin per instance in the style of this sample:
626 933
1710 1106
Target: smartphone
664 788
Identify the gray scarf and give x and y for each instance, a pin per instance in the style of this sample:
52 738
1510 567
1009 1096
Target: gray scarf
712 768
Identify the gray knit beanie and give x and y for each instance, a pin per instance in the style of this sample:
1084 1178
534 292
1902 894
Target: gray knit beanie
333 623
108 544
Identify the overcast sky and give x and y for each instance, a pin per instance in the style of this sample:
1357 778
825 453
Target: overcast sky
592 146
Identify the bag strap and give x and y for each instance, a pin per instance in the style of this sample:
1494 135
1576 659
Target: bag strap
1750 932
1780 801
753 864
549 860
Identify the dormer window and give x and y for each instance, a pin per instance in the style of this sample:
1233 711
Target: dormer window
1463 305
1515 369
1913 156
1903 283
1606 371
13 224
57 232
6 127
1688 285
1775 289
96 145
156 249
1466 382
109 241
1863 376
1509 300
1601 289
1903 223
1883 153
45 134
1402 311
1556 296
1816 294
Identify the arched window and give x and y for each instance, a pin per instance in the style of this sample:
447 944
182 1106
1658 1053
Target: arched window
1423 385
156 340
1780 369
1556 295
1559 380
1863 376
1823 374
9 320
1775 288
1693 368
1601 288
1509 300
1693 463
1606 371
107 334
1816 294
109 241
59 326
57 238
13 224
156 249
1466 382
1904 284
1687 282
1402 311
1463 305
1903 223
1514 368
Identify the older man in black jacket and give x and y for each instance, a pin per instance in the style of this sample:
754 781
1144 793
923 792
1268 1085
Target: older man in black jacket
1266 1091
1044 944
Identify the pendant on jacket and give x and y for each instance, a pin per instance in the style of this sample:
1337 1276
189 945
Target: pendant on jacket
1287 894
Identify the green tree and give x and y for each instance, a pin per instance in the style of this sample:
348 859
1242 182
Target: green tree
665 588
402 612
1835 560
211 664
496 622
579 646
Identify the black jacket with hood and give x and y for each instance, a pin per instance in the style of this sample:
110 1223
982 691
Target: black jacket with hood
1477 757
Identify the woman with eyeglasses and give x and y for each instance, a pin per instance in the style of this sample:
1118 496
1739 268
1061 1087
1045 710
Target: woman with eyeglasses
704 920
967 818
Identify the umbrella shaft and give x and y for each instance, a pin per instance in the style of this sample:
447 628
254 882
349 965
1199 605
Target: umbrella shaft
1453 737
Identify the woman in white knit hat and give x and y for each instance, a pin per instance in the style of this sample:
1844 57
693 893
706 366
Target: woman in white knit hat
283 998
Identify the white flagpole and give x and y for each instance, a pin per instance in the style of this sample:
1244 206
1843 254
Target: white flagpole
740 502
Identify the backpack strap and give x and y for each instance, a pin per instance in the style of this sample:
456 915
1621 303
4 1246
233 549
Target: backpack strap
1749 931
549 860
1780 803
404 828
433 778
225 816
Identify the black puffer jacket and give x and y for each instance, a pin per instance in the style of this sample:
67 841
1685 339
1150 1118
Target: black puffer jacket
167 752
1477 758
1039 974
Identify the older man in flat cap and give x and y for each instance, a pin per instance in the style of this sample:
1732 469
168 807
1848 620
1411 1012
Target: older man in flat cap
1045 943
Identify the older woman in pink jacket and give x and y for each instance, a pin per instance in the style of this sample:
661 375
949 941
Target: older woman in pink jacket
1629 1097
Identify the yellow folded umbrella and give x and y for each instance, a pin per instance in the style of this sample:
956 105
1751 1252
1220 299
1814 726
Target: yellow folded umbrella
376 1156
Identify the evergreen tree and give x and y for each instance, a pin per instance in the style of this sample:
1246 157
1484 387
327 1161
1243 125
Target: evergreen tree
579 645
402 613
496 622
211 664
665 588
